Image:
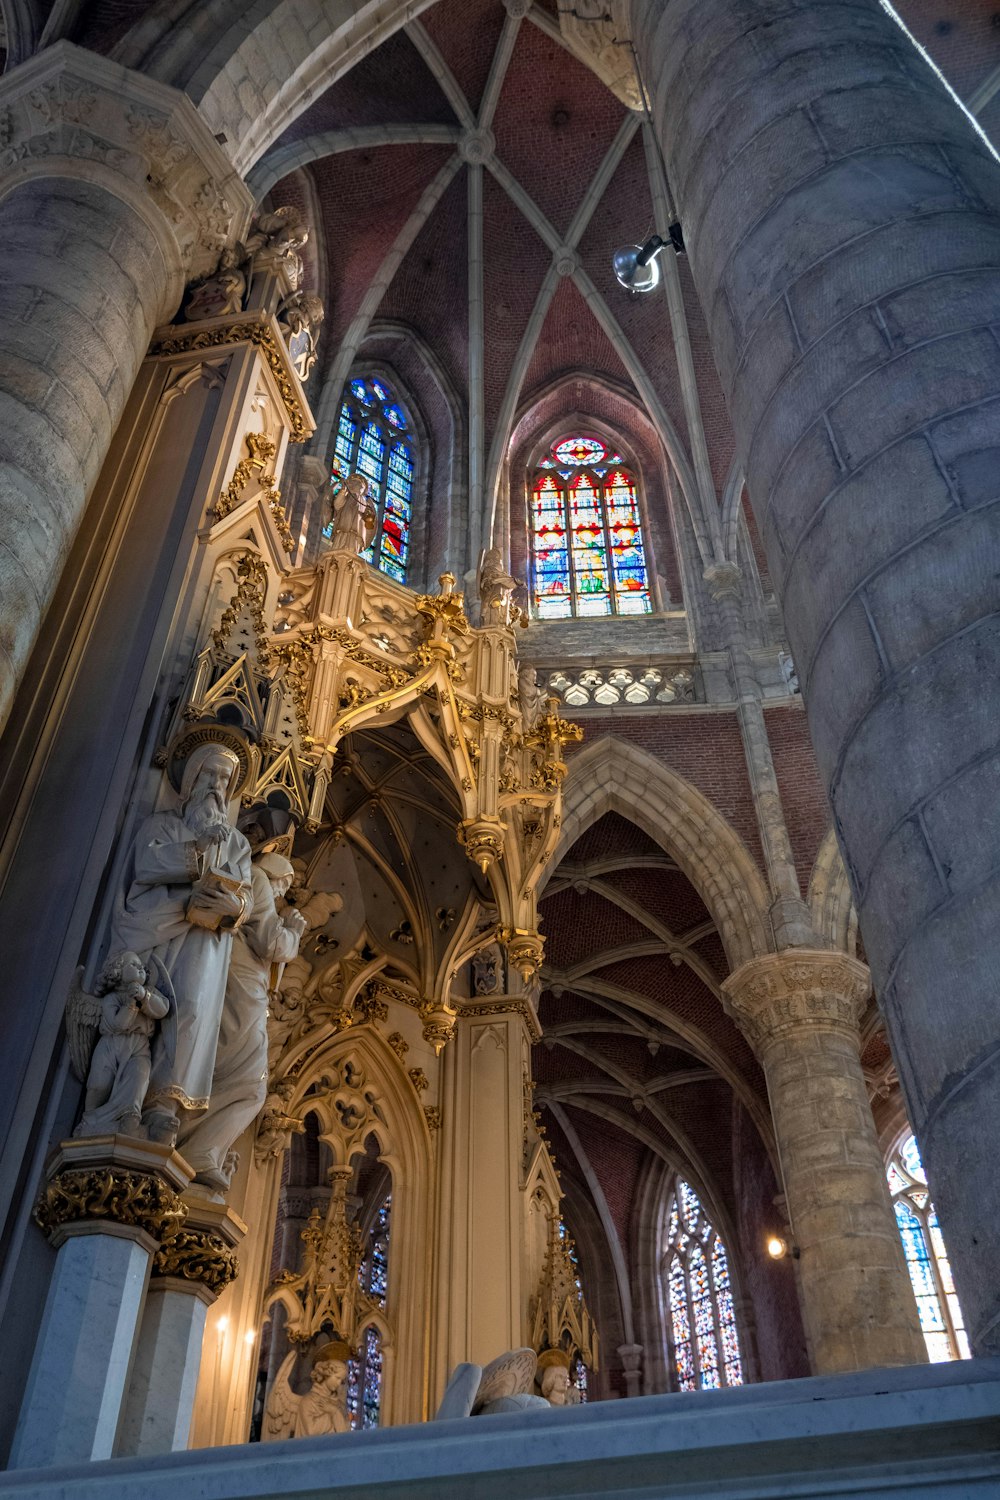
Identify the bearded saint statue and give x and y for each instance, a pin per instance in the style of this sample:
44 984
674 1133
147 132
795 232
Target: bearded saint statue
186 890
266 941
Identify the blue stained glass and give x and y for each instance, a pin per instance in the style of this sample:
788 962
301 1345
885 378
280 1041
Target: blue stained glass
371 447
700 1293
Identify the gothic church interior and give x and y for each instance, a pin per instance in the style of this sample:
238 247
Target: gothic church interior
498 745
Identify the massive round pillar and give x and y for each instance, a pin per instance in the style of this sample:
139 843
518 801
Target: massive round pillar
800 1011
112 192
842 217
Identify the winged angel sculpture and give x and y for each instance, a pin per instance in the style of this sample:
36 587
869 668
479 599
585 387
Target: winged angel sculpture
503 1386
109 1045
322 1410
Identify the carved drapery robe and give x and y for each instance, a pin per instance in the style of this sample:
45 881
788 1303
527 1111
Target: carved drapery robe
189 964
239 1084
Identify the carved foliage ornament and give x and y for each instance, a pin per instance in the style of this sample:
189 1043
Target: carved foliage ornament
197 1255
781 993
66 104
137 1200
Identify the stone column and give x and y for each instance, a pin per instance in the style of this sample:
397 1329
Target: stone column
789 914
189 1271
106 1202
800 1011
631 1358
112 192
842 219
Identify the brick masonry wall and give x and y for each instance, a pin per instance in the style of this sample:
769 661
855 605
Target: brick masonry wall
803 798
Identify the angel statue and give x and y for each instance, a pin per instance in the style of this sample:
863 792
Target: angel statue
504 1386
354 516
116 1071
322 1410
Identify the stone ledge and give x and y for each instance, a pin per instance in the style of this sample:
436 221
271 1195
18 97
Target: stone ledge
884 1432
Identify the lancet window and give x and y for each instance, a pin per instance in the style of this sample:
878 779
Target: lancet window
695 1268
926 1258
364 1372
586 533
375 438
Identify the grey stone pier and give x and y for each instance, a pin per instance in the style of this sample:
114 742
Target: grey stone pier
800 1011
113 192
842 219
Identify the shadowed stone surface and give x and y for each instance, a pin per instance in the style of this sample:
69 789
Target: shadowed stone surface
842 219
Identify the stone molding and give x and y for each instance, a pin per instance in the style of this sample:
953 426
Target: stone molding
70 113
799 990
258 329
130 1185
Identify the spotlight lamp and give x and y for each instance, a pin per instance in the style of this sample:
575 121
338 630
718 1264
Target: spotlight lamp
778 1248
635 266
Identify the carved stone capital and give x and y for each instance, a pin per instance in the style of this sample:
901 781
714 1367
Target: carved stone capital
70 111
800 990
723 580
202 1251
126 1184
199 1256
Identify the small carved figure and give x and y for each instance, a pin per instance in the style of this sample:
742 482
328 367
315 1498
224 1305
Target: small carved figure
219 294
275 240
496 590
300 316
529 695
122 1016
323 1410
557 1388
354 516
788 671
503 1386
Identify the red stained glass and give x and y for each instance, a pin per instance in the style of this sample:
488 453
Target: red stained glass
707 1351
587 536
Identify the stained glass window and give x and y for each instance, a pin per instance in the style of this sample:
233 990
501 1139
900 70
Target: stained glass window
930 1271
702 1319
364 1372
587 534
374 438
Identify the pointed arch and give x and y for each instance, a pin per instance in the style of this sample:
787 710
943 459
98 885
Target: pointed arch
612 776
831 900
405 1147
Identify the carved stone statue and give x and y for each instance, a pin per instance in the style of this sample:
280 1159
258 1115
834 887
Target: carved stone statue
556 1386
496 590
186 889
487 970
300 316
219 294
116 1070
323 1410
354 516
503 1386
529 695
275 240
239 1081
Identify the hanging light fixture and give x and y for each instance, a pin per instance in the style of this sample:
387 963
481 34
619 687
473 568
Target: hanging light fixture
635 266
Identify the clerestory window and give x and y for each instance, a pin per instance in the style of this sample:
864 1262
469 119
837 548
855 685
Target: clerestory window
926 1258
695 1268
374 438
587 548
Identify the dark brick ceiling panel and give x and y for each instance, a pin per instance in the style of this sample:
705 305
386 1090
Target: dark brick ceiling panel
104 22
390 86
625 216
430 289
571 339
577 926
514 265
667 895
616 1158
611 834
466 33
554 124
366 198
